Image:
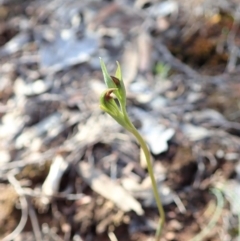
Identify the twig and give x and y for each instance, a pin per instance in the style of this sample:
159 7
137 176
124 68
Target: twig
180 66
69 196
30 160
234 50
24 208
179 204
176 63
238 226
35 224
215 217
112 236
200 166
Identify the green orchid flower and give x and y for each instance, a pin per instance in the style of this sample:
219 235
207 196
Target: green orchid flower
115 82
109 105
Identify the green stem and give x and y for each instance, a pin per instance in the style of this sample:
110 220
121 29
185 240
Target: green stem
145 149
119 113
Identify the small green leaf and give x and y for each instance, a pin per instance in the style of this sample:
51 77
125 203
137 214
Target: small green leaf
120 86
118 73
107 78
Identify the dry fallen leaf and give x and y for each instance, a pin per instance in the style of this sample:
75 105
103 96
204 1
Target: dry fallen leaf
103 185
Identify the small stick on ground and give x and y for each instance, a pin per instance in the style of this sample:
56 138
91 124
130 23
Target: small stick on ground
24 208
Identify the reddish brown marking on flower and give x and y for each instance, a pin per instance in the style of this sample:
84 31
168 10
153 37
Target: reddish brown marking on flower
108 95
115 80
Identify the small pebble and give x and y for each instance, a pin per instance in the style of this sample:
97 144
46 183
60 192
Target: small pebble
175 225
170 236
4 157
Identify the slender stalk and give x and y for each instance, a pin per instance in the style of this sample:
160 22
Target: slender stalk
118 112
145 149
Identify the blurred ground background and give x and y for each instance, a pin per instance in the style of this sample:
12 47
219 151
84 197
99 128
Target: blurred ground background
68 171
